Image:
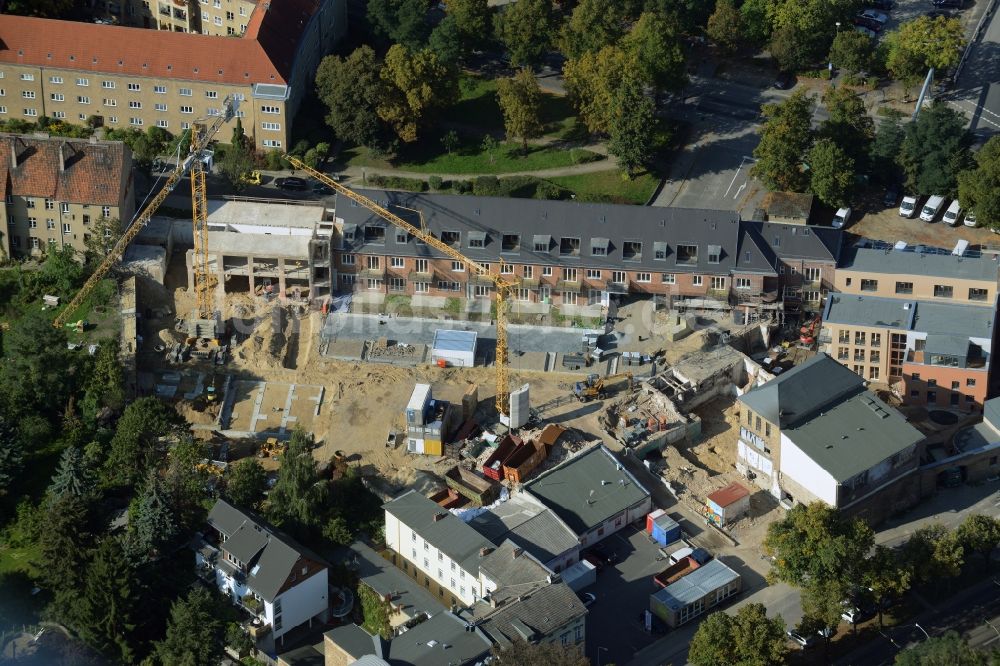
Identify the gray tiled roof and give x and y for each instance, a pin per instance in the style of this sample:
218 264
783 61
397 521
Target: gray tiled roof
853 435
382 576
443 640
450 535
528 524
922 316
355 641
539 613
226 518
803 391
246 542
799 241
510 568
874 260
588 489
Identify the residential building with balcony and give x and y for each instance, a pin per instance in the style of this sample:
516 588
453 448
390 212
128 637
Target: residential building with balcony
57 191
573 255
816 433
222 18
932 354
275 579
120 76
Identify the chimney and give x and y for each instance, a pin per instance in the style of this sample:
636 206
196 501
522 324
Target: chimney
483 552
518 552
62 157
439 516
13 154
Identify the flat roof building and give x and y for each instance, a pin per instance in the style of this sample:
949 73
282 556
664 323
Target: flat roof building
696 593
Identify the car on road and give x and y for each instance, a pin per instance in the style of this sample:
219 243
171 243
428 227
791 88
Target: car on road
841 219
891 195
805 641
908 207
952 215
931 209
970 219
291 183
587 599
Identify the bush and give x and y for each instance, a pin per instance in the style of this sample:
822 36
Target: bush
398 183
273 161
486 186
435 182
301 146
462 186
547 190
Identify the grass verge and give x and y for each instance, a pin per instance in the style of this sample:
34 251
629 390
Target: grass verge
609 187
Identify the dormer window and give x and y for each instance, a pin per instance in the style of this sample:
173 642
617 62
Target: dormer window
599 247
453 238
477 239
632 251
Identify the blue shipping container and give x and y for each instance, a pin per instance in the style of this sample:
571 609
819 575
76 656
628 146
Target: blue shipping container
665 530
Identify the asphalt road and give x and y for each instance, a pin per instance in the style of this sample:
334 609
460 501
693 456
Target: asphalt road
977 90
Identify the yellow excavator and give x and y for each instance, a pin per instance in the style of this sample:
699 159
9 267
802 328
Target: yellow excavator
595 386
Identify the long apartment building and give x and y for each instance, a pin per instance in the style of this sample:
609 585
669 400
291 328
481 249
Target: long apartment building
569 254
134 77
223 18
56 191
923 322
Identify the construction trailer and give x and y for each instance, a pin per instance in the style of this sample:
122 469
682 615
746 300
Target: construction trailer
694 594
579 576
662 528
454 348
728 504
428 422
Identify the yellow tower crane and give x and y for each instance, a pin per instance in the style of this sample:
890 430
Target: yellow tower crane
502 284
201 135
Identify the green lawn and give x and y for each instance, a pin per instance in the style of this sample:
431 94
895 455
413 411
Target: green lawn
429 156
18 560
608 186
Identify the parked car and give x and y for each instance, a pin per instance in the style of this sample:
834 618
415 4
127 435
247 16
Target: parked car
908 207
291 183
891 195
970 219
805 642
872 15
587 599
937 12
841 219
606 555
931 209
954 212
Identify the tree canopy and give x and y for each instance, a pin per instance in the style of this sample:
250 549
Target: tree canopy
946 650
935 150
520 100
593 81
400 21
351 89
979 188
831 172
923 43
298 495
194 632
748 638
785 140
135 447
979 534
654 46
632 123
593 25
725 27
246 482
852 51
415 83
526 28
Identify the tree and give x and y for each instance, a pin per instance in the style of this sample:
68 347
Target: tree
632 123
472 19
38 374
979 534
520 100
886 576
72 476
748 638
239 639
246 482
932 553
446 41
104 388
785 139
488 146
822 604
450 141
886 147
415 84
654 45
195 631
526 28
979 188
757 20
135 447
103 235
922 43
592 83
11 457
110 606
811 24
849 125
593 25
814 543
852 51
235 162
789 49
151 520
725 27
401 21
351 89
520 653
935 149
185 482
831 173
337 531
946 650
65 543
297 498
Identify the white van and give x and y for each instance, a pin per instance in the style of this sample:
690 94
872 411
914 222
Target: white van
953 213
908 207
931 208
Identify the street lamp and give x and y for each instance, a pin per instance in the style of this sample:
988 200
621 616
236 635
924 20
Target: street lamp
599 648
923 630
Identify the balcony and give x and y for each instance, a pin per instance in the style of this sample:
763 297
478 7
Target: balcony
164 11
180 14
421 276
373 272
616 287
755 297
569 285
529 282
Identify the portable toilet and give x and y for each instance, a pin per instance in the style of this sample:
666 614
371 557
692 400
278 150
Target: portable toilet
652 516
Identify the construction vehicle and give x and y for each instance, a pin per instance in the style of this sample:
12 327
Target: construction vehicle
272 448
250 177
201 135
502 284
807 334
595 386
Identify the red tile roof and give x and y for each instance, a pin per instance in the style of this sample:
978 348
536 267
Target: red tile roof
728 495
94 173
265 54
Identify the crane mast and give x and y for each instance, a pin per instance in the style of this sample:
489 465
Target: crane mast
502 285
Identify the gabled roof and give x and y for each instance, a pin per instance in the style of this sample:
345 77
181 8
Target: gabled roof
796 241
443 640
71 170
529 524
448 533
587 489
754 255
536 614
514 570
801 392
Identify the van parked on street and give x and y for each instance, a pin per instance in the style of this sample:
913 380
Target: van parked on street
931 209
953 213
908 207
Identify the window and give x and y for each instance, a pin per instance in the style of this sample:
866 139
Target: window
32 222
844 337
943 291
859 355
718 283
859 338
632 251
643 277
184 92
687 254
27 77
593 274
396 262
58 97
904 287
811 274
569 247
932 396
113 119
619 277
271 143
569 274
110 85
110 102
186 109
33 242
970 381
546 271
230 16
506 269
510 243
211 94
3 109
66 229
50 224
162 123
135 121
876 340
31 112
133 87
185 125
445 285
477 241
696 280
767 429
528 271
83 82
28 94
569 297
714 253
869 285
134 104
932 382
160 90
270 109
875 357
55 79
160 107
742 283
271 126
977 294
59 115
843 353
83 99
420 265
105 210
50 204
29 203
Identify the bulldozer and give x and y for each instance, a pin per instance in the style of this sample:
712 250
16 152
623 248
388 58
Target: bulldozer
272 448
595 386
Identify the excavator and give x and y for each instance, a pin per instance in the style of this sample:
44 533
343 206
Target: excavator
595 386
